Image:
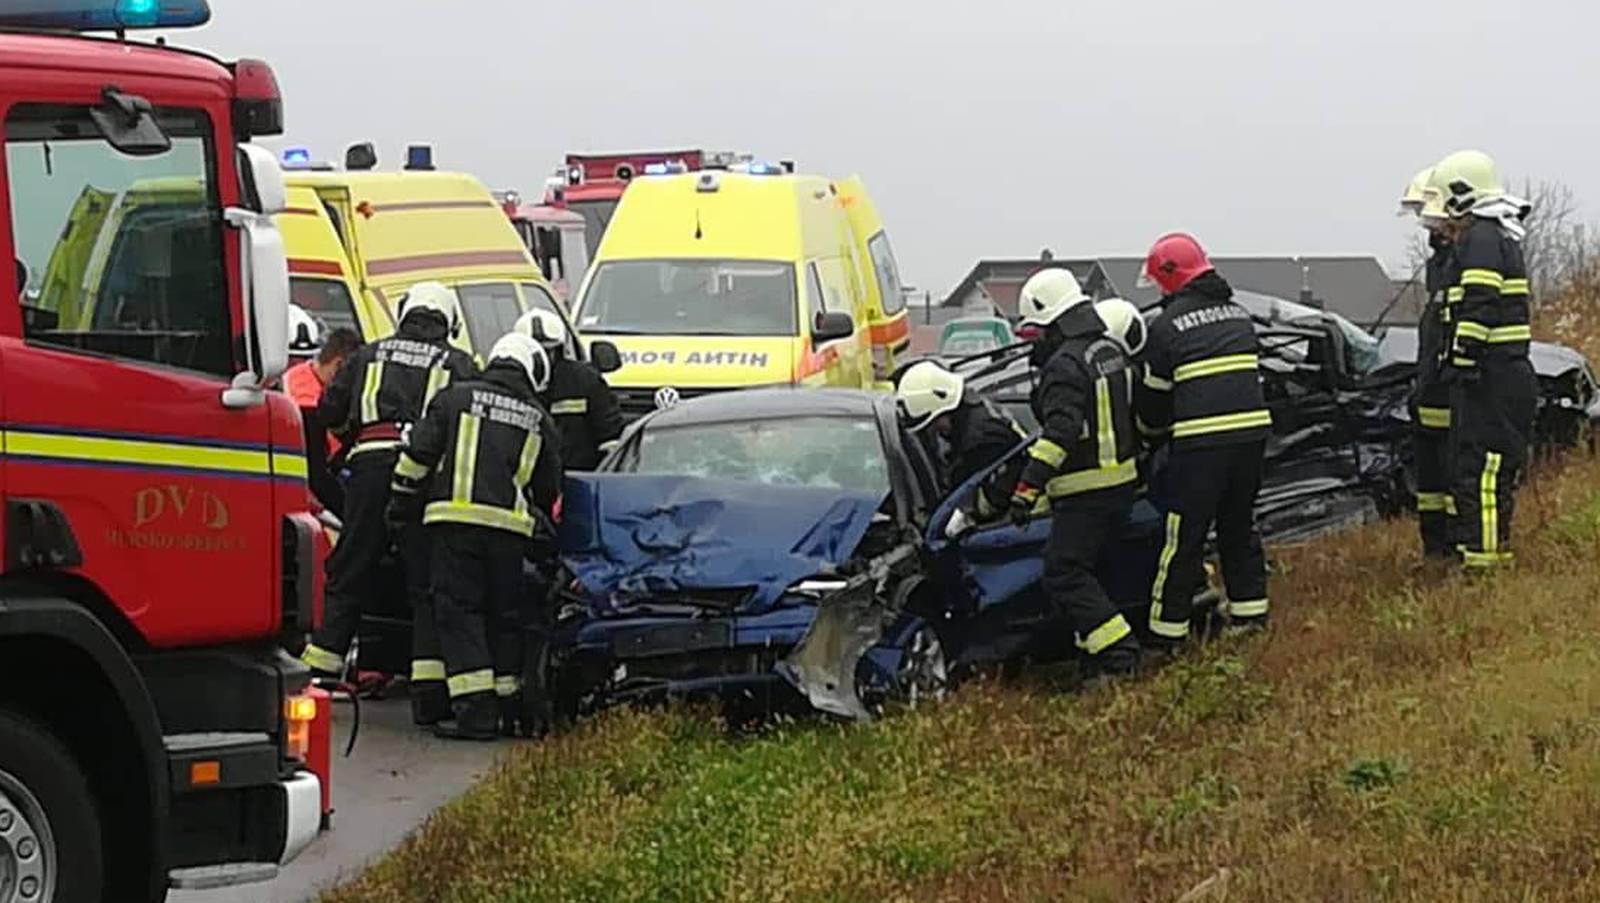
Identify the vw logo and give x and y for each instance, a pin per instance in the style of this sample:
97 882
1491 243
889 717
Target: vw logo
666 397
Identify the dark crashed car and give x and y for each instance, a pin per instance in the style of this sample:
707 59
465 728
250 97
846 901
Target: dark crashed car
788 546
1339 451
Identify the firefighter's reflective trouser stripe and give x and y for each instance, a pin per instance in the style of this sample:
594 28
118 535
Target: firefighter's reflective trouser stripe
1079 529
1222 423
1430 439
353 566
479 600
1492 427
1206 486
427 661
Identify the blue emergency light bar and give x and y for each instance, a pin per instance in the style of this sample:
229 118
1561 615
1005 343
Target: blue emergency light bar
766 169
103 15
296 158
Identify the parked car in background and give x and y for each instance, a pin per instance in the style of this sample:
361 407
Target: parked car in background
974 335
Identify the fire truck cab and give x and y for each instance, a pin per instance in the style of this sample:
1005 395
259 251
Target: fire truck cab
157 541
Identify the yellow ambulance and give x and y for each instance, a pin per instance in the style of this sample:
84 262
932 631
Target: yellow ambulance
725 279
357 240
888 324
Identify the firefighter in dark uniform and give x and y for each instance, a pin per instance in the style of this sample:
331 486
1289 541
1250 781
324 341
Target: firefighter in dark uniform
585 410
1201 392
1430 409
480 464
1084 461
1493 390
933 399
377 394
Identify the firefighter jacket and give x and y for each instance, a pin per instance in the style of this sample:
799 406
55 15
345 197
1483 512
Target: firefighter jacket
484 455
1083 401
584 409
1433 394
1486 299
983 434
386 385
1202 386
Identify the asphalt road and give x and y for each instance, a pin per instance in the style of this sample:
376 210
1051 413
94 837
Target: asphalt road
396 777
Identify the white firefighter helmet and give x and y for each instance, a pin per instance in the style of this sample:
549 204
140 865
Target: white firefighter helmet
1465 180
1124 324
436 297
1047 295
305 333
526 353
926 392
544 327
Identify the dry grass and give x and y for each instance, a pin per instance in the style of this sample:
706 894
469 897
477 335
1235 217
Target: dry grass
1399 736
1394 738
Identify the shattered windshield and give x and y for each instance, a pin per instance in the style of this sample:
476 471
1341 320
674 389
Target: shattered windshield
826 452
1361 347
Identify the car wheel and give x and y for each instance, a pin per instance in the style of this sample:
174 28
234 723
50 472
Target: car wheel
49 826
923 677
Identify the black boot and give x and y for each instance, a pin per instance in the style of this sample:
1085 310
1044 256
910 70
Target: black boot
430 703
477 717
1116 662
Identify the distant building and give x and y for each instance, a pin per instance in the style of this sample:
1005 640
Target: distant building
1357 287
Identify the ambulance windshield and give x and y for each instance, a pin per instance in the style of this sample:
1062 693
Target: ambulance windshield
690 297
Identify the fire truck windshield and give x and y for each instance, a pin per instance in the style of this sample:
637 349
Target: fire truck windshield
124 252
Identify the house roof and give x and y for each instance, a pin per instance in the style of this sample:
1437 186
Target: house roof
1016 269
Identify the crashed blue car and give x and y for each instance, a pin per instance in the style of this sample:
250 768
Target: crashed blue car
787 548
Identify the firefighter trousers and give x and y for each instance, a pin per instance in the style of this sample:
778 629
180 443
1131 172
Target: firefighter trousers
1208 487
1492 418
1430 442
1080 527
353 565
478 603
427 661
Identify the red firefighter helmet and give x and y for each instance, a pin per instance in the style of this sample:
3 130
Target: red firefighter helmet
1173 262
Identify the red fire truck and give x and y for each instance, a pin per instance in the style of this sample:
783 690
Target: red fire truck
156 538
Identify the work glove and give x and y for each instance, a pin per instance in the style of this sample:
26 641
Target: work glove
1023 498
959 524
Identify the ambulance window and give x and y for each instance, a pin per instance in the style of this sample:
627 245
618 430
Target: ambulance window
816 306
128 250
888 273
490 310
326 300
539 299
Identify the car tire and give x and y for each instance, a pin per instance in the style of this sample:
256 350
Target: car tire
50 841
923 676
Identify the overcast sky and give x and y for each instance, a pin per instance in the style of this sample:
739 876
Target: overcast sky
983 129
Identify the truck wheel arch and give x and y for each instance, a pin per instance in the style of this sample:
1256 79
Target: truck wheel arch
53 636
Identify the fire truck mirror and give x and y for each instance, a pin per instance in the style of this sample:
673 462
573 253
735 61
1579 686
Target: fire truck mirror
128 123
263 180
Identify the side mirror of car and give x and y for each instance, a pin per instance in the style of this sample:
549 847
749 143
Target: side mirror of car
831 326
604 356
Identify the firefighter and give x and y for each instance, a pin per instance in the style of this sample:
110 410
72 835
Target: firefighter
1125 324
1430 406
933 398
1083 461
1492 387
303 383
1201 392
584 410
376 396
480 464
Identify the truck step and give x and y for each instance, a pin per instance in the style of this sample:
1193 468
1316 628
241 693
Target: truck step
209 877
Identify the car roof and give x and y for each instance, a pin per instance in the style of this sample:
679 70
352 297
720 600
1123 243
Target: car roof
767 404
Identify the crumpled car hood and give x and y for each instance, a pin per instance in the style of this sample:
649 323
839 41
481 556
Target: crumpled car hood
627 538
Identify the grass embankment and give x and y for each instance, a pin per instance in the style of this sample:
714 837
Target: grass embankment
1394 738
